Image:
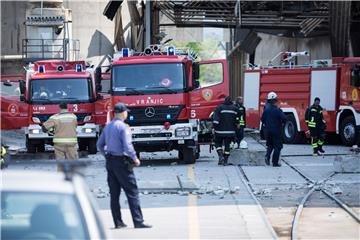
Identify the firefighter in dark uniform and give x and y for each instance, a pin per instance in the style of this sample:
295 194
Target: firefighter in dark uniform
316 124
115 144
242 120
273 118
225 122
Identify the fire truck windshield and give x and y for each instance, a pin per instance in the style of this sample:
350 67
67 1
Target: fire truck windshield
135 79
60 90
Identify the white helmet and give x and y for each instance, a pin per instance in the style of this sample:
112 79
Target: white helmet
271 95
243 144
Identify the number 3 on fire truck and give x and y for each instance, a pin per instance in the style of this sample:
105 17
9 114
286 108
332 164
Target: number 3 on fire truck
193 114
75 107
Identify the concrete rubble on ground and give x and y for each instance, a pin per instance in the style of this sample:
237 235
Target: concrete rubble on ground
336 190
347 164
100 193
254 155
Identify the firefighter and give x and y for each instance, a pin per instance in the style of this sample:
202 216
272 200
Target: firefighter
225 122
63 126
316 126
242 120
273 118
3 163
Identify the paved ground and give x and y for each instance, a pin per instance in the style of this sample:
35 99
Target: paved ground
181 201
208 201
280 191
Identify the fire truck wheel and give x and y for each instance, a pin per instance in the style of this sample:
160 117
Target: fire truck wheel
348 133
290 131
82 144
189 155
40 147
30 146
180 155
197 155
92 146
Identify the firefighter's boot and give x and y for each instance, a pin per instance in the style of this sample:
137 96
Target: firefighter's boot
221 157
226 157
316 152
320 145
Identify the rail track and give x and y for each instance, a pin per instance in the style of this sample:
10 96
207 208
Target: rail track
316 186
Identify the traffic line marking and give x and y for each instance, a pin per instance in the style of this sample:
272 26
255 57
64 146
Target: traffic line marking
193 217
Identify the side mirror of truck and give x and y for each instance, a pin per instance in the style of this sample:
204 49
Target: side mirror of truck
98 87
22 98
196 70
196 83
98 75
98 97
22 87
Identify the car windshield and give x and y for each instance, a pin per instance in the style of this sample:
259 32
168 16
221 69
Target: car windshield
29 215
59 90
135 79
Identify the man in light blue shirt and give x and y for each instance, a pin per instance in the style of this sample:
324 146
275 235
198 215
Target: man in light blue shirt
120 157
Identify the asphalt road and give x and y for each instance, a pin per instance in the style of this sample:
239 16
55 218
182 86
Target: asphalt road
203 200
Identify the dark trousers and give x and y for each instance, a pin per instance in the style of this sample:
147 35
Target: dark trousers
220 140
317 138
121 177
273 143
239 135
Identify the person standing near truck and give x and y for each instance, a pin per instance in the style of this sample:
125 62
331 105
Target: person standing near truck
225 122
316 124
120 158
63 126
242 120
273 118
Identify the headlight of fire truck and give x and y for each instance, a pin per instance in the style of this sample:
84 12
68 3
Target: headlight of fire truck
35 131
89 130
87 118
36 120
182 132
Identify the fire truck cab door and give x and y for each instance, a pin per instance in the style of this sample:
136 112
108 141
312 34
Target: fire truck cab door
14 113
212 90
103 103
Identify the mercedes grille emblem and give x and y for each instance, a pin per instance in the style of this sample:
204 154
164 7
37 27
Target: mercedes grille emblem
149 112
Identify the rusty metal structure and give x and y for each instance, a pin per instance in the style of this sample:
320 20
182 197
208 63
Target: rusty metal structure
337 20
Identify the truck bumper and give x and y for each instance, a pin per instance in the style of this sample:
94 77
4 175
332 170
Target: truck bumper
89 130
157 138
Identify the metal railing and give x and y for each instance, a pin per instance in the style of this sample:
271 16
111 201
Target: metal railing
37 49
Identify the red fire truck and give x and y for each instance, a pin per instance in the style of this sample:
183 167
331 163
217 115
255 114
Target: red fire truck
336 82
46 84
170 97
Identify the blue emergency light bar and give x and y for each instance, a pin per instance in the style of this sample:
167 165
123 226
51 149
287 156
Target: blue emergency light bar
78 67
41 69
171 51
125 52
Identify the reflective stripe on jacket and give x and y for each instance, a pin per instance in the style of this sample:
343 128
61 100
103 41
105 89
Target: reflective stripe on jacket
314 117
225 119
64 125
242 115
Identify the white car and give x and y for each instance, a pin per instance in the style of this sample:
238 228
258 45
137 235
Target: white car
47 205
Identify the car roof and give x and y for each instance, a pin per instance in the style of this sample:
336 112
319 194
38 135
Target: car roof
36 181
